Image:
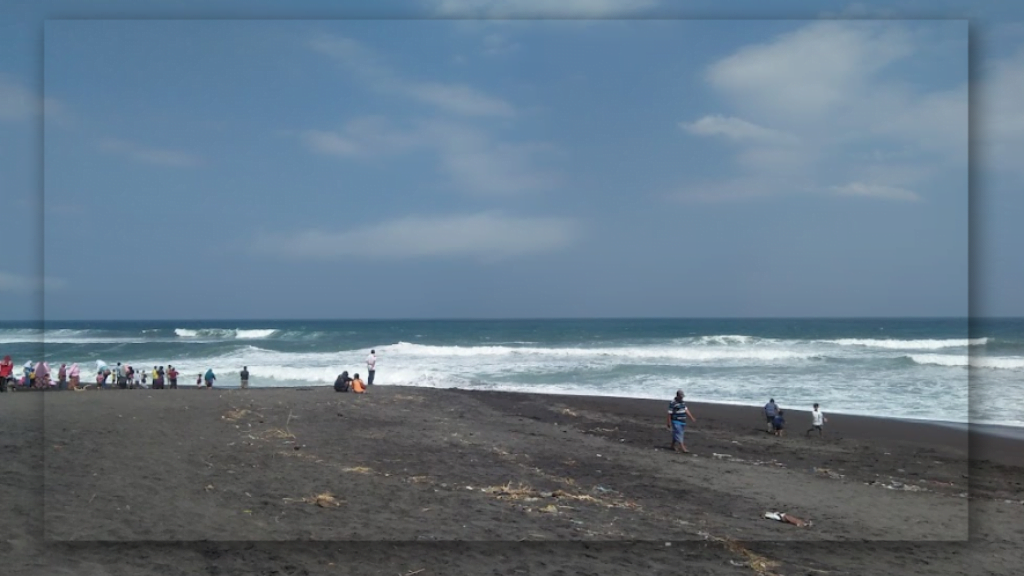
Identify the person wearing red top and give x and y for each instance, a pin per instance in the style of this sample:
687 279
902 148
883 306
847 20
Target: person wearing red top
172 376
6 372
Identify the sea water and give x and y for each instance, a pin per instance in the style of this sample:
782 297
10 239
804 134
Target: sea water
951 370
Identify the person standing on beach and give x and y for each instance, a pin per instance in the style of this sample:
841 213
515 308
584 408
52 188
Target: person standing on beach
770 410
62 377
172 376
677 414
158 381
371 367
245 377
817 421
209 377
74 376
778 423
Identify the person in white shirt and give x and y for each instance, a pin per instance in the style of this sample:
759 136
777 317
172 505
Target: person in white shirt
817 422
371 365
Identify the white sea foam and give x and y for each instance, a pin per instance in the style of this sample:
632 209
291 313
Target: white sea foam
1003 363
621 354
909 344
225 333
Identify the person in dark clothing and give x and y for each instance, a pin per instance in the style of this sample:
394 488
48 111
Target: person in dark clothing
245 377
343 383
779 423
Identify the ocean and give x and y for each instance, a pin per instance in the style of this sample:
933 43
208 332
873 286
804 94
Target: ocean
951 370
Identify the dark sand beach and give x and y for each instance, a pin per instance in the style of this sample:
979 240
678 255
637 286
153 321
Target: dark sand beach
424 481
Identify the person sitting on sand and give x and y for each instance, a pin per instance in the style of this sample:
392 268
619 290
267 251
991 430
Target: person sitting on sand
677 414
778 423
817 421
770 410
357 385
343 383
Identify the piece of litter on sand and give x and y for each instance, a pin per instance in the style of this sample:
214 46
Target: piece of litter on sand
783 517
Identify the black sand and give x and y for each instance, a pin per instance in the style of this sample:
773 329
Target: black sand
451 482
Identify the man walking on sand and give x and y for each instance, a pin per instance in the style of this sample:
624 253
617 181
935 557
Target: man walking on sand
677 414
818 420
371 367
245 377
770 410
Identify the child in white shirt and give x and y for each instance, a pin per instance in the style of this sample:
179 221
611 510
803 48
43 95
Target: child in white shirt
818 421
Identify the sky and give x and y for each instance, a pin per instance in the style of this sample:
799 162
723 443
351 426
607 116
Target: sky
463 159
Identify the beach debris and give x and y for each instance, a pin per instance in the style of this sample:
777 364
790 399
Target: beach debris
756 562
783 517
828 472
550 509
278 433
363 470
323 500
720 456
209 487
233 415
569 412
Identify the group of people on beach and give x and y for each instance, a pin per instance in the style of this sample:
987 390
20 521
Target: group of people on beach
39 376
679 414
355 384
776 420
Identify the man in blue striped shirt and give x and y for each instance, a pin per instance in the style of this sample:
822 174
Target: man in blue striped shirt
677 414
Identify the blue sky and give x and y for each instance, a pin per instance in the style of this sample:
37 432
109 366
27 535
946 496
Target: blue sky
508 168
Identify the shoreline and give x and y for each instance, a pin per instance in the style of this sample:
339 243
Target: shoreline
991 442
103 475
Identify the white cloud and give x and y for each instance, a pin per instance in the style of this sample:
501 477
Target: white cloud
811 104
1001 129
487 236
737 129
459 98
498 45
538 8
875 191
811 72
21 283
17 102
478 164
329 143
148 155
448 97
473 161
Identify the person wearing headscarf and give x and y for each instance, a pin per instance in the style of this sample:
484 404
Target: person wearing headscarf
74 373
42 375
209 377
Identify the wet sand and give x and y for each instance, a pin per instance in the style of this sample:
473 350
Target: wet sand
308 481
